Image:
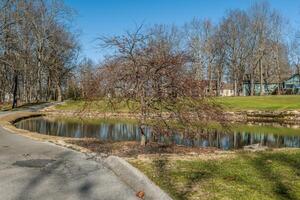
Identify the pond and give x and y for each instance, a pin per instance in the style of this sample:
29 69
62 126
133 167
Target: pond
114 130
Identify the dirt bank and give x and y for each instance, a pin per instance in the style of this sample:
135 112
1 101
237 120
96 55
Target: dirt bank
284 117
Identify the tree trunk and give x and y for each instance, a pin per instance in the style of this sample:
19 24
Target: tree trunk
143 112
279 73
209 80
39 65
261 93
15 92
59 93
235 87
143 136
49 89
251 84
219 80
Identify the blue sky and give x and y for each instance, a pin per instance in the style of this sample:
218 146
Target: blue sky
111 17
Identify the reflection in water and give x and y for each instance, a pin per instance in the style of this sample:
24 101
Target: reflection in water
130 132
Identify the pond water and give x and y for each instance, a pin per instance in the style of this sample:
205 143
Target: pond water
129 131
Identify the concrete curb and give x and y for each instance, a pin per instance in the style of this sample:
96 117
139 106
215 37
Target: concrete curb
135 179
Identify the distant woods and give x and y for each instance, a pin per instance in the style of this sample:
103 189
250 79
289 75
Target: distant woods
38 50
150 64
255 46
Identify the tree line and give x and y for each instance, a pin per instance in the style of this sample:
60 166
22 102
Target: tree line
39 55
38 50
168 71
254 45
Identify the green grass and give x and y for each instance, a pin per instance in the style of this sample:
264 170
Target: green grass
262 103
99 106
8 106
93 121
5 106
288 102
267 175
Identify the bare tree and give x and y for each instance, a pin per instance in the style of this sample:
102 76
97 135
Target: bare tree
233 32
201 47
37 49
150 68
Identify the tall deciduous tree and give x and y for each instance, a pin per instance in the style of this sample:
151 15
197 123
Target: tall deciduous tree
37 49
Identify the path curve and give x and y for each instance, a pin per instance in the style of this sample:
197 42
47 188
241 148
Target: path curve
35 170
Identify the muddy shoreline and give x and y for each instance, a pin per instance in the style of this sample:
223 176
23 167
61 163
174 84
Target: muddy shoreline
282 117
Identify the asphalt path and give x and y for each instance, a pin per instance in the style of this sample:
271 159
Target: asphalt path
37 170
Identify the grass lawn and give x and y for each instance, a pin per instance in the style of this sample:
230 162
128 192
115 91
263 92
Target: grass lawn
8 106
265 175
5 106
100 106
269 103
288 102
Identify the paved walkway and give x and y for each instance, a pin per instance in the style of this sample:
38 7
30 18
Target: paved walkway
41 170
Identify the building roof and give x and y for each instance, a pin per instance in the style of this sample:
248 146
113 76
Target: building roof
292 76
227 86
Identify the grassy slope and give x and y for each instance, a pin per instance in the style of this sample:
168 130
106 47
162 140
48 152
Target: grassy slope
100 106
268 175
8 106
92 121
290 102
5 106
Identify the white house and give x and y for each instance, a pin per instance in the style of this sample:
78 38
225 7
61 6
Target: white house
227 90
